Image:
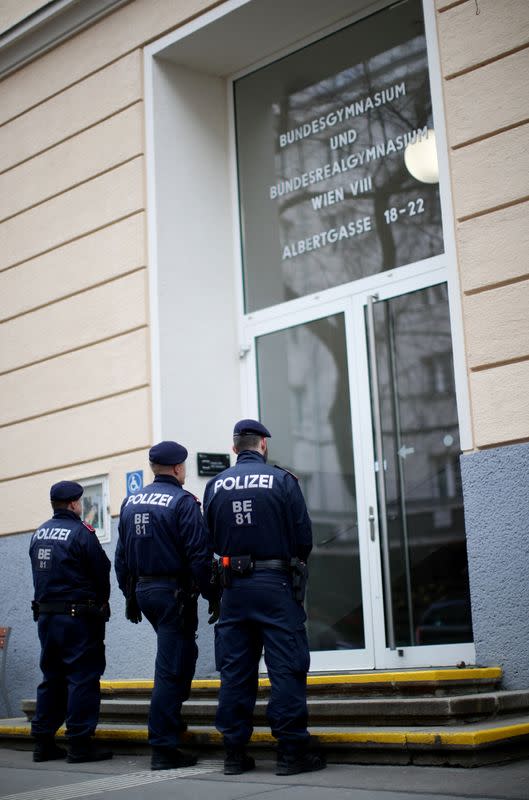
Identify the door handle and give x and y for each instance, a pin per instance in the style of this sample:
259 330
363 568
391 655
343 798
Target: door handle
371 519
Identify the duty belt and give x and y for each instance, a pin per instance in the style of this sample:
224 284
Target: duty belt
72 609
270 563
243 566
247 563
153 578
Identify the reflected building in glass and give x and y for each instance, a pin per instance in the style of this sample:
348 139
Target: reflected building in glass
424 498
328 199
304 396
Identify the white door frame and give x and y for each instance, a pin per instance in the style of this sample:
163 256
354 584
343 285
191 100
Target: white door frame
336 660
418 655
351 299
376 653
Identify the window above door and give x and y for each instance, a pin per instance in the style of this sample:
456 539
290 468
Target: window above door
336 160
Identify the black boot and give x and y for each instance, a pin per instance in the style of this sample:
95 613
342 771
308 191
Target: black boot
292 761
237 761
46 750
83 749
171 758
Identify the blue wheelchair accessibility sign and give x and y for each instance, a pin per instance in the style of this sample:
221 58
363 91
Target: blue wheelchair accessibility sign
134 481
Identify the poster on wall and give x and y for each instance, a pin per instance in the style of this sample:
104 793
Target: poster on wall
337 163
95 508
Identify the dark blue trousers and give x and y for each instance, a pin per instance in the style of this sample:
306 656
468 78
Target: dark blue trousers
176 658
258 612
72 661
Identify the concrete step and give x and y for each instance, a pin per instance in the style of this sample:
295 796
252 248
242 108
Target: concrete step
436 716
332 711
423 682
472 744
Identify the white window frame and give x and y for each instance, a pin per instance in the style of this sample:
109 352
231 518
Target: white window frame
446 261
407 278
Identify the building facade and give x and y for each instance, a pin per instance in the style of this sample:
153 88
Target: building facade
311 212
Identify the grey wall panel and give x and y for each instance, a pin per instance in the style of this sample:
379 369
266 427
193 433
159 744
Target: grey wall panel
130 649
496 493
16 593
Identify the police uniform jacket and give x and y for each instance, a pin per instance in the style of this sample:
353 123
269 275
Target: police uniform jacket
68 561
162 533
257 509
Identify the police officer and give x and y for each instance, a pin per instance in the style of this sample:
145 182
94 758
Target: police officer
72 588
162 562
259 526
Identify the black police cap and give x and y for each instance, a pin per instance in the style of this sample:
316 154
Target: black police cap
251 426
167 453
66 491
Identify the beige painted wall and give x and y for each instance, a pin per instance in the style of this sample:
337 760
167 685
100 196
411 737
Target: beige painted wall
485 62
73 261
74 320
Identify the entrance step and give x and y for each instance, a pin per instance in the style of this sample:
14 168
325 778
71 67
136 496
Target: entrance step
470 745
424 682
331 711
429 716
406 697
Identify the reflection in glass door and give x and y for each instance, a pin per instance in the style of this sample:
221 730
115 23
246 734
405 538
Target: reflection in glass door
304 397
361 403
416 440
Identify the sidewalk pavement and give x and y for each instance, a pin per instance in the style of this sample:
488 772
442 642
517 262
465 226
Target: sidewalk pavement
128 777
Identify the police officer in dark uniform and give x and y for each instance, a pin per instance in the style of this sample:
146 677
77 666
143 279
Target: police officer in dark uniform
72 587
260 528
162 563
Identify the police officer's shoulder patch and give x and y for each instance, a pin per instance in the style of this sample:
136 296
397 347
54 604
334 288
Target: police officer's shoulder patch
87 525
283 469
195 498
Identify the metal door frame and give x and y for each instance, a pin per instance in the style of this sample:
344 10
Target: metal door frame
377 653
325 660
385 654
351 298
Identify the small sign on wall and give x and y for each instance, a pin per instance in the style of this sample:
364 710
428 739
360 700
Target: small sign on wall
210 464
134 481
96 506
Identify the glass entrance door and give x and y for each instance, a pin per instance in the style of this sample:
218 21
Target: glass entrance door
360 399
305 395
416 445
